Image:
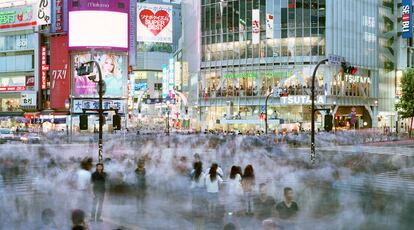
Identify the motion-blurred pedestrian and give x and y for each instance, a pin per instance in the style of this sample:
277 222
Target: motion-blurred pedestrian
98 181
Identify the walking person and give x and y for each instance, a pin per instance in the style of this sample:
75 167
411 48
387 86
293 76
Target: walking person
141 185
198 195
98 181
288 209
248 183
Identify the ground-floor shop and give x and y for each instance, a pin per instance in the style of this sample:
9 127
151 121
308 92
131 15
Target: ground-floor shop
287 118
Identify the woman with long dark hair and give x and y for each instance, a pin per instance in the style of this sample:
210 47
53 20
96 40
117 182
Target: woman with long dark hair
213 181
248 183
234 190
198 194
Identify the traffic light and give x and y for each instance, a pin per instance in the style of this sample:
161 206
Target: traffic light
83 122
348 69
116 122
328 122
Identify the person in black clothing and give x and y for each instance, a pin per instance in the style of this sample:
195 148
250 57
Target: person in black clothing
288 208
141 185
264 205
98 181
78 220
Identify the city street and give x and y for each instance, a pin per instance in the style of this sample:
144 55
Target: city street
359 183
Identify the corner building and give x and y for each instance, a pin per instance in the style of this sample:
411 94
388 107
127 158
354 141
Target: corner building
251 47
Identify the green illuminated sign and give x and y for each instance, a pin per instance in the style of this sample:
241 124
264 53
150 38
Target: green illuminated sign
16 15
280 74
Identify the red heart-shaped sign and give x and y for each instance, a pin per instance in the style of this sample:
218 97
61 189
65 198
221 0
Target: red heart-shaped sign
154 22
20 17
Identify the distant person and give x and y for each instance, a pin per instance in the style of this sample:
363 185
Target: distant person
198 195
98 181
288 208
264 205
78 220
48 216
269 225
219 171
83 181
141 185
248 183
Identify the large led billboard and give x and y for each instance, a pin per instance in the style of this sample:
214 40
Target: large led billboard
154 23
102 24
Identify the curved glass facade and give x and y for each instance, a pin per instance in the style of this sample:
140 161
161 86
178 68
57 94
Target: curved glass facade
241 65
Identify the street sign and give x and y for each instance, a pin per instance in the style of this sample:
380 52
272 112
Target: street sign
335 59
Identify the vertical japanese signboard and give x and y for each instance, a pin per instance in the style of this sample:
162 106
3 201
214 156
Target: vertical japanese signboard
43 67
406 18
59 72
59 16
255 26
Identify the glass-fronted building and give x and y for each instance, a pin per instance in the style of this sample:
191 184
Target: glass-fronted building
251 48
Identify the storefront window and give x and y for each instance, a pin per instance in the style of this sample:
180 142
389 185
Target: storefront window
10 104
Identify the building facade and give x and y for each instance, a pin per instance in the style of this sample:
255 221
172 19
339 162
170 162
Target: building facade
251 48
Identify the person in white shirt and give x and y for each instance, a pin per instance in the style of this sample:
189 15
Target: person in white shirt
198 197
83 186
234 190
213 182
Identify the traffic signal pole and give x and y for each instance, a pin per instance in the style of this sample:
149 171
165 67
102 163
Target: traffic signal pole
313 153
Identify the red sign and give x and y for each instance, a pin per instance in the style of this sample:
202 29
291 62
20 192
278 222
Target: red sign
59 72
154 22
30 81
12 88
44 67
59 16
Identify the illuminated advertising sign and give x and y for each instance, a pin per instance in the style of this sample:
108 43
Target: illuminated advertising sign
30 82
301 100
407 18
102 24
16 17
59 72
10 84
112 68
154 23
164 81
171 79
43 67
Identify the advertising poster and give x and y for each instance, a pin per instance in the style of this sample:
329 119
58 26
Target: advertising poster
407 18
112 68
59 72
15 83
269 26
255 26
154 23
100 24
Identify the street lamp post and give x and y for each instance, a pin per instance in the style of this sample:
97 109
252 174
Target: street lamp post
101 93
313 153
67 107
267 98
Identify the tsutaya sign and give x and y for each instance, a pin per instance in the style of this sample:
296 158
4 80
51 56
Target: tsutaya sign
301 100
